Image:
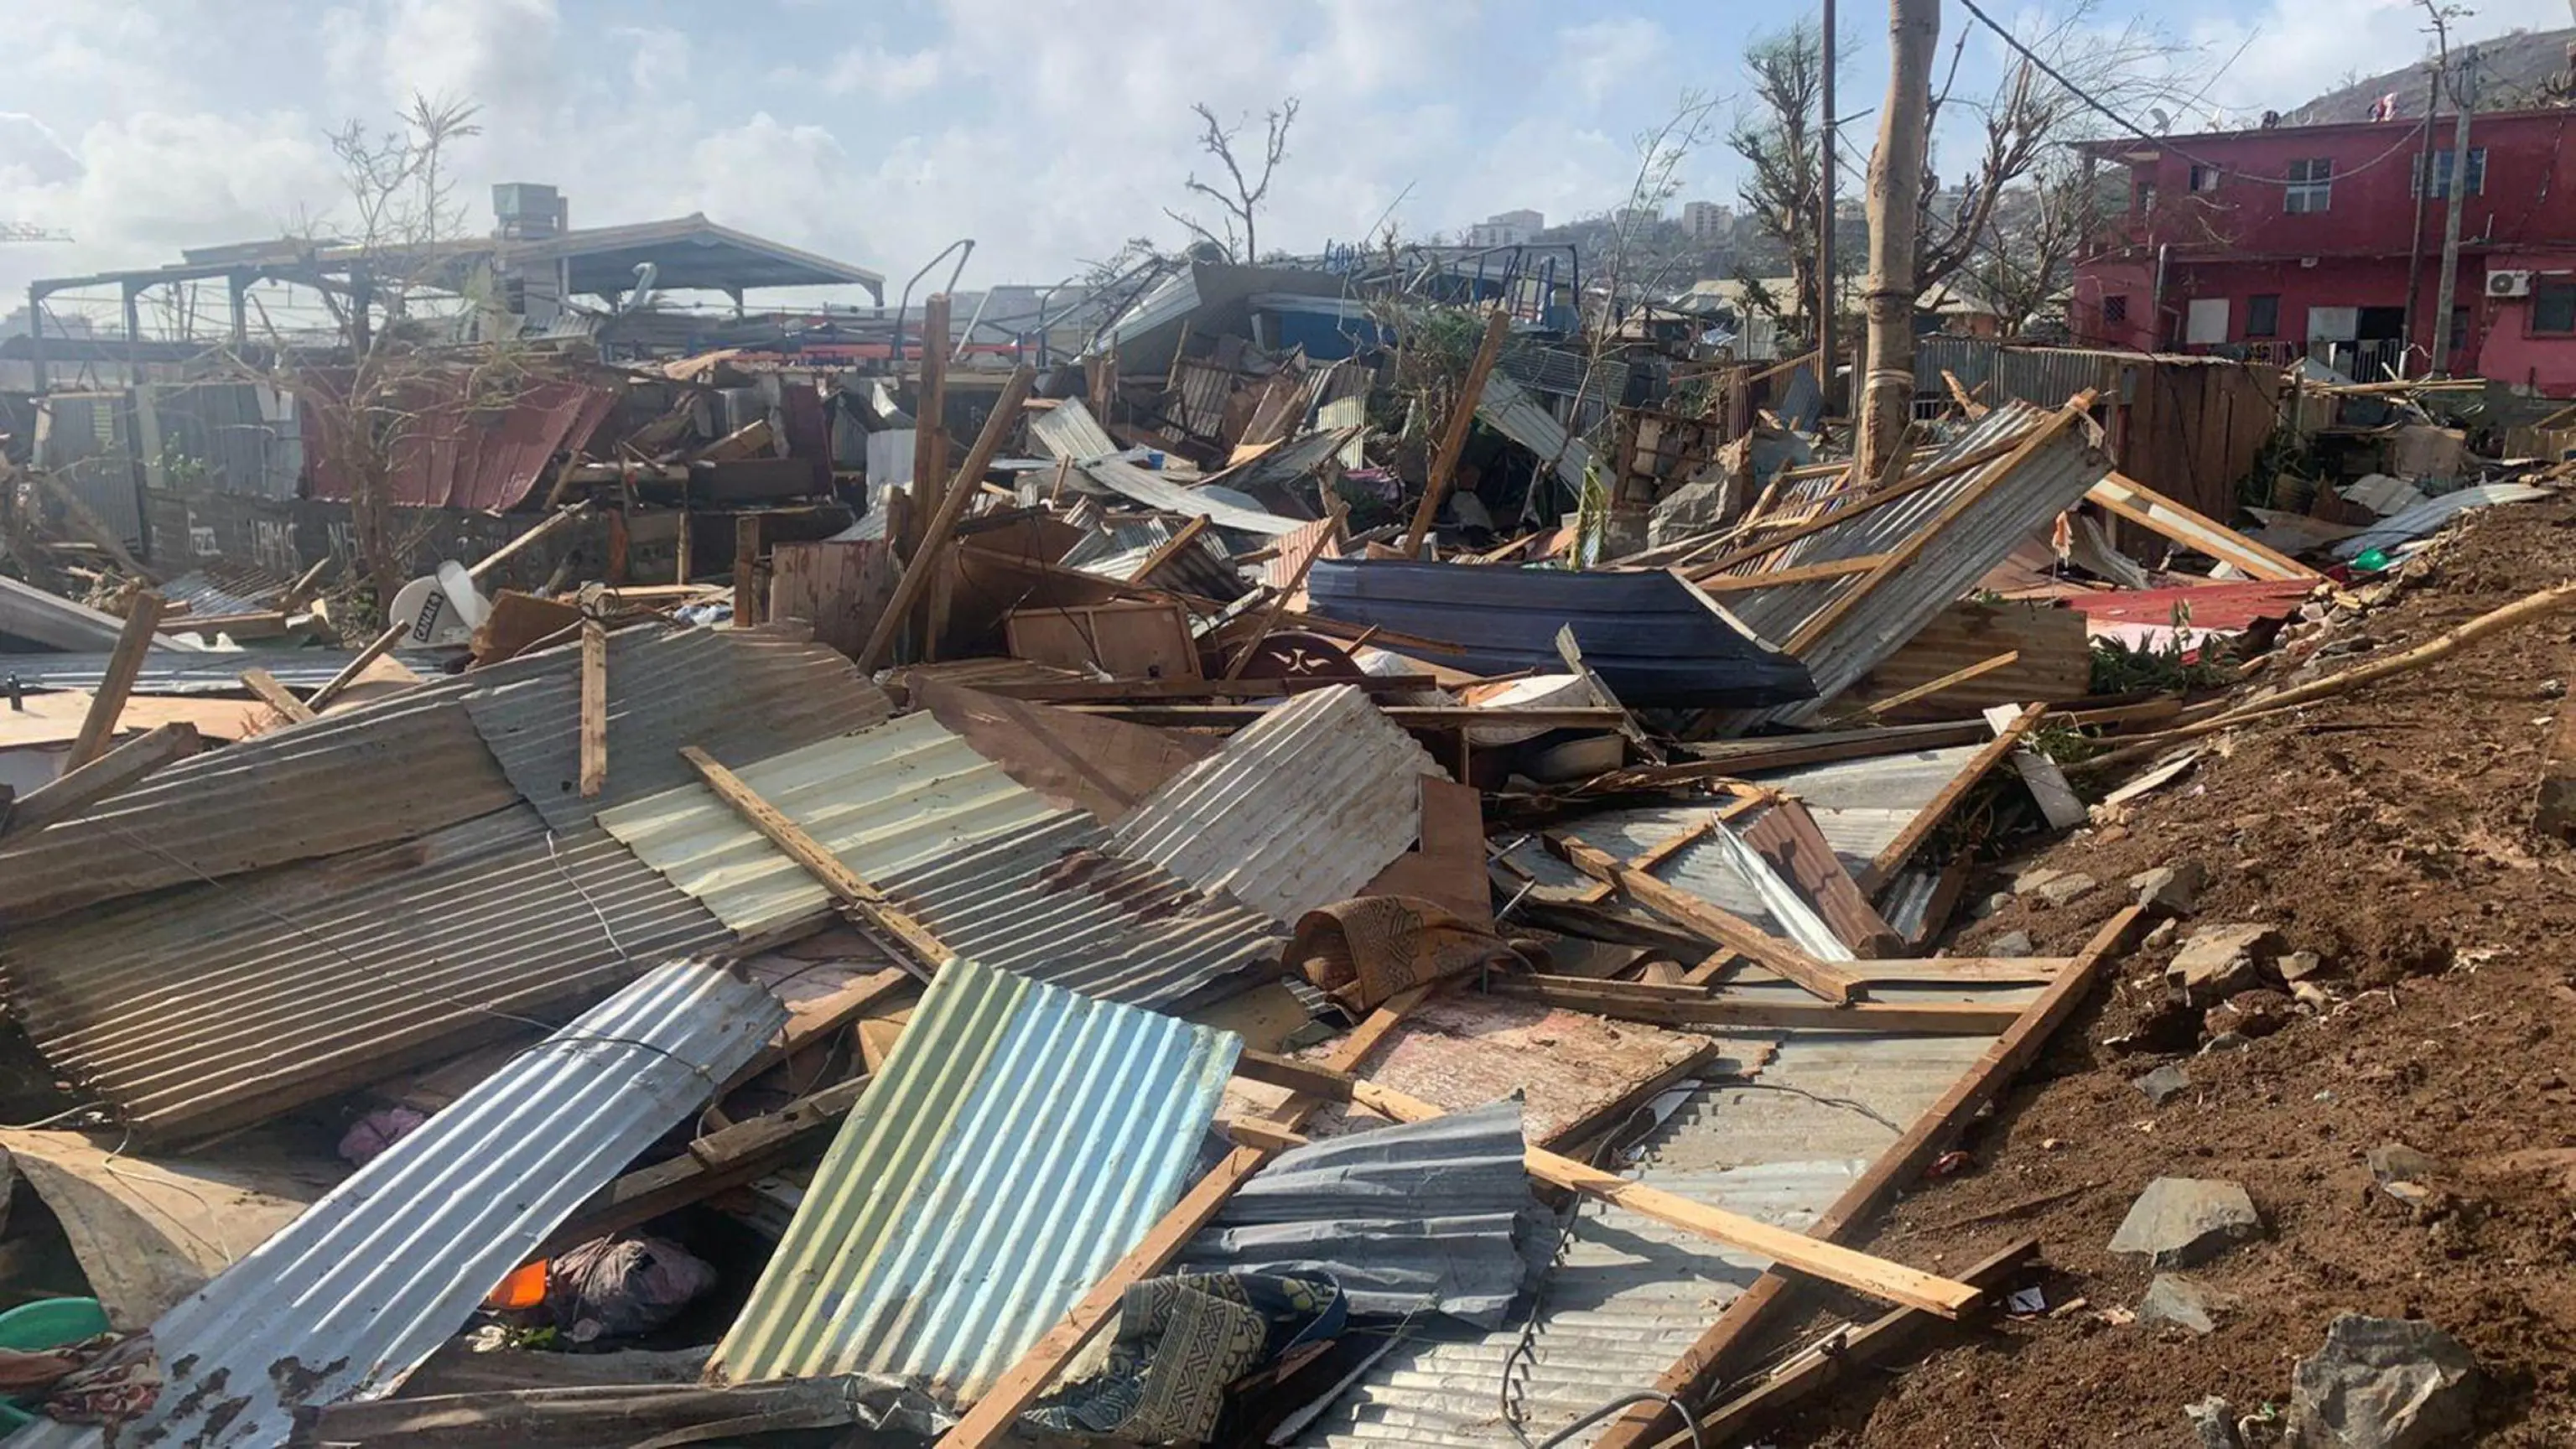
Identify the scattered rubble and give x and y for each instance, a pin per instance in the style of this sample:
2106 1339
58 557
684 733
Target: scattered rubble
2217 962
2183 1222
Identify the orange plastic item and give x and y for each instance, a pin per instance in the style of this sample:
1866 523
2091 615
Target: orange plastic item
524 1288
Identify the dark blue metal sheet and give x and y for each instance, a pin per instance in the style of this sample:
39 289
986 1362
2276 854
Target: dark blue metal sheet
1651 638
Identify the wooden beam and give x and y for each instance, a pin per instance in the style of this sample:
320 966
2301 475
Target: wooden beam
265 688
845 884
1951 680
1773 543
1121 691
727 1157
76 790
816 1020
124 666
938 535
1171 548
929 426
1661 851
2153 511
1926 820
1922 535
1723 927
747 592
594 709
1691 1005
1929 1134
1453 438
1877 1277
1802 574
1824 1364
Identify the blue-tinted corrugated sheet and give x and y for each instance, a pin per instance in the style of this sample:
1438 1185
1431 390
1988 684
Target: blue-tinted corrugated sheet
1415 1216
1650 637
1020 1140
350 1297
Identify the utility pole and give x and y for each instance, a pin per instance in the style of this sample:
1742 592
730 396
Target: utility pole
1895 201
1825 227
2415 239
2464 90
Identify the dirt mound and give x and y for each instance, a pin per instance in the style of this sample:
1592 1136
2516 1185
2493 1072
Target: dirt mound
2389 832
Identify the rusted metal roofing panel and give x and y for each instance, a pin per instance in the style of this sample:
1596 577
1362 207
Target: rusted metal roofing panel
1629 1294
2012 497
385 771
1051 903
735 693
1019 1141
353 1295
1297 811
199 1009
903 794
466 454
220 588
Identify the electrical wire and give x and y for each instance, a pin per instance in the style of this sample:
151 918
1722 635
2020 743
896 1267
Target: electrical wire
2134 129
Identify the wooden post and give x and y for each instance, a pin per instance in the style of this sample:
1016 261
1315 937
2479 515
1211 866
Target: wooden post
76 790
264 686
1821 979
919 569
746 570
844 883
1453 439
929 424
594 709
133 646
1895 207
1892 859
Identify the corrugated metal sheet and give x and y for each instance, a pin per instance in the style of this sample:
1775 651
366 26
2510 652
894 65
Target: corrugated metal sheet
1297 811
1068 430
1123 545
2011 500
1018 1142
222 589
199 1009
354 1294
242 437
1509 410
1629 1294
1422 1215
1722 872
383 771
184 671
990 866
1052 903
2430 515
86 441
2046 376
30 613
734 693
462 455
1651 637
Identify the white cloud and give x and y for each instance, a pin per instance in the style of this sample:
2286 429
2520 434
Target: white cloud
2296 50
874 71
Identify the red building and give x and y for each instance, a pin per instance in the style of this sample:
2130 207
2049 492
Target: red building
2312 241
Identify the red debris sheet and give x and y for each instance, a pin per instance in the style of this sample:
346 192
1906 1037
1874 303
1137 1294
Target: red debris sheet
2207 606
461 455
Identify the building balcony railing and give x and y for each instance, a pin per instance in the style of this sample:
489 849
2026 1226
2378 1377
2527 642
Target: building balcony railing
2371 360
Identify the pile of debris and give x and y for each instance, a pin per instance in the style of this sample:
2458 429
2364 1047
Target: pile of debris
1164 928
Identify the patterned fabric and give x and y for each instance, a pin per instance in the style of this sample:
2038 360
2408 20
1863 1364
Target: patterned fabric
1366 950
118 1384
1182 1342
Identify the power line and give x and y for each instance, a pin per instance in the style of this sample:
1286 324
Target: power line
2134 129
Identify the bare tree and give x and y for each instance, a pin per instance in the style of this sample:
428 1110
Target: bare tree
1780 136
2026 260
1244 190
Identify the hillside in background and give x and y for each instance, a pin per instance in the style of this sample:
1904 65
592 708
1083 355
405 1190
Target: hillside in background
2520 69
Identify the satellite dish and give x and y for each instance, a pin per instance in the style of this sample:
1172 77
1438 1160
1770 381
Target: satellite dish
2164 122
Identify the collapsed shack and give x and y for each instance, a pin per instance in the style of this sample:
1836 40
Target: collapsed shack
1136 907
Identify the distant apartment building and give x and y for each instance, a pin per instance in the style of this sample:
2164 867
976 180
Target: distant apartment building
1633 216
1708 222
1506 229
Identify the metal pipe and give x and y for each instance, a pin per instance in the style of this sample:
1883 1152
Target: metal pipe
905 305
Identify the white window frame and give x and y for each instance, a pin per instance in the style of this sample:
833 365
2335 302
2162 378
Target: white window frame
2311 186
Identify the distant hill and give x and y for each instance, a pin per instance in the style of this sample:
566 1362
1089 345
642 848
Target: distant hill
2517 71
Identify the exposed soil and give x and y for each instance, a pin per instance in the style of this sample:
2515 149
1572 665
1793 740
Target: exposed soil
2388 831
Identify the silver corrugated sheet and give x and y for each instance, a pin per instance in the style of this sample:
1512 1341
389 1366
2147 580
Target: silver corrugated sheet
1123 545
1629 1294
202 1008
2012 499
53 622
182 671
1019 1141
1509 410
1724 873
1297 811
379 772
1418 1216
1068 430
734 693
221 590
2431 514
1051 903
352 1296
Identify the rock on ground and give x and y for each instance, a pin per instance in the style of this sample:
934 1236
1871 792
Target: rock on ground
2164 1083
2383 1383
2183 1303
2219 961
2182 1222
2170 890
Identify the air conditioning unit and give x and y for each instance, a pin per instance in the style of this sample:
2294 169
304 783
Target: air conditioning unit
2508 284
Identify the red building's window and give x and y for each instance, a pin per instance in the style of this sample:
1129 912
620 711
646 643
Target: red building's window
2263 315
2553 307
2311 187
2115 308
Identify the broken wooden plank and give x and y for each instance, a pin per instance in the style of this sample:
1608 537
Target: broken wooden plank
2057 799
124 666
1931 687
75 790
265 688
1888 861
818 1018
939 535
1661 851
1932 1131
1802 574
2199 532
594 709
1723 927
1188 537
1410 716
929 427
1691 1005
844 883
728 1157
1453 437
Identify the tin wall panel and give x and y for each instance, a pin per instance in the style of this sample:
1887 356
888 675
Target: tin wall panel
1019 1141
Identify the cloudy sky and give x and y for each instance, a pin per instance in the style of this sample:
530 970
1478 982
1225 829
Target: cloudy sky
877 132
